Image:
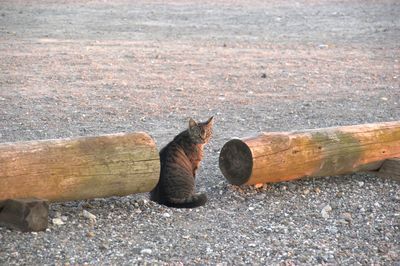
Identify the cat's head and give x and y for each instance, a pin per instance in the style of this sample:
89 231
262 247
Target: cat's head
201 132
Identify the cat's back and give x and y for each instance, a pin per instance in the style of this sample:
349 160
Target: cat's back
174 151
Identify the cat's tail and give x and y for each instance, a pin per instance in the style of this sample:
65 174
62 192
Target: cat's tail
193 201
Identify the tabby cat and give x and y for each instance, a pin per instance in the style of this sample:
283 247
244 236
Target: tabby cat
179 161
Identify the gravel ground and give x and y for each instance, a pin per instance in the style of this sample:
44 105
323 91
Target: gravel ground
78 68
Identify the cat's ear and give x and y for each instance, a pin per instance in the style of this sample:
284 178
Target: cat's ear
192 123
210 120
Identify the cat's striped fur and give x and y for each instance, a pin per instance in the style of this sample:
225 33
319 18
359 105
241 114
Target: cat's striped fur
179 161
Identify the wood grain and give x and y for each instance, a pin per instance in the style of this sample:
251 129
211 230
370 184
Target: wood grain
80 168
284 156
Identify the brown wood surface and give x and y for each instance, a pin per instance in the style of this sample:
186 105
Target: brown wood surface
284 156
80 168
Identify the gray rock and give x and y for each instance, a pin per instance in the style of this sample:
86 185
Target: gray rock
89 215
146 251
57 221
325 212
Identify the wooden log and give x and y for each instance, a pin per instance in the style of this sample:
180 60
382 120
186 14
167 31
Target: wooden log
80 168
26 215
285 156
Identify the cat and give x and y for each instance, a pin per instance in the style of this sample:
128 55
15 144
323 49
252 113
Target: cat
179 161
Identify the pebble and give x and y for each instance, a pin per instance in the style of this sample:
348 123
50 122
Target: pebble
346 216
89 215
146 251
166 215
90 234
143 202
57 221
104 246
259 185
360 183
260 196
339 194
325 211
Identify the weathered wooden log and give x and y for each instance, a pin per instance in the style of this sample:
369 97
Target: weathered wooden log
284 156
80 168
26 215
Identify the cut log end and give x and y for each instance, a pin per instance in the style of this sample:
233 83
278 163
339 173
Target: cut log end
236 161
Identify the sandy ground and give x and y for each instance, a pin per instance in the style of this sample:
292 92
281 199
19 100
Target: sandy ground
78 68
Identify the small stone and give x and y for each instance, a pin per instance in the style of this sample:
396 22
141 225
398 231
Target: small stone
346 216
317 190
263 75
251 208
259 185
325 211
57 221
291 185
64 218
360 183
384 99
146 251
166 215
327 208
90 234
333 230
306 191
143 202
376 204
89 215
339 194
104 246
260 196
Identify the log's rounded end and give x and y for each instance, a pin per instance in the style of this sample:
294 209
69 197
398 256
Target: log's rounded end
236 162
